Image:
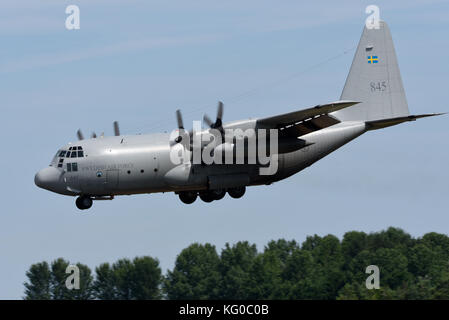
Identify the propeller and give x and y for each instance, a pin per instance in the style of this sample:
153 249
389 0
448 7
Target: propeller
179 119
180 126
80 135
218 122
116 129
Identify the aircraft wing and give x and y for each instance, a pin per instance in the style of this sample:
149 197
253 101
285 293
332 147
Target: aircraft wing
304 121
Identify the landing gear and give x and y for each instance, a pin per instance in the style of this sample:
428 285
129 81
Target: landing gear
237 192
218 194
206 196
83 202
188 197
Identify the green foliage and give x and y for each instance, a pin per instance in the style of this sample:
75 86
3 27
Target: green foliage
236 267
321 268
59 277
39 277
195 275
139 279
49 282
105 283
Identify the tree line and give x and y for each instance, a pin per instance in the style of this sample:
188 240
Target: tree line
319 268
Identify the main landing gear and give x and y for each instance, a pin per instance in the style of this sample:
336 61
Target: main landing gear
83 202
189 197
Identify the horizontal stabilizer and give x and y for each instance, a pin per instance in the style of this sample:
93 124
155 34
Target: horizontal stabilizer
383 123
290 118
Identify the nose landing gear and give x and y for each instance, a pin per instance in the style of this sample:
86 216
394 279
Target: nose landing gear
83 202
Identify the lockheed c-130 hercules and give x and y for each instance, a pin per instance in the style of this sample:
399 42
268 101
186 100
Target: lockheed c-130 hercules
100 168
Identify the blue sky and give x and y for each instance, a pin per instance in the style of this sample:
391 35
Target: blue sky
139 61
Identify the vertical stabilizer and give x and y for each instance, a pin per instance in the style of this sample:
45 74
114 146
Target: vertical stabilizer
374 79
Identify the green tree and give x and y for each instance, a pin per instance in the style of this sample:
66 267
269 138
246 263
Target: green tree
38 287
267 270
389 239
123 277
300 276
352 244
105 283
146 278
196 274
236 267
139 279
58 282
328 260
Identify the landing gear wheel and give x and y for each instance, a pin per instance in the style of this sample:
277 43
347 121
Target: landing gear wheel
218 194
83 202
206 196
237 192
188 197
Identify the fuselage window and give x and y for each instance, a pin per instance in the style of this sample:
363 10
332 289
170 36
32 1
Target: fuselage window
69 167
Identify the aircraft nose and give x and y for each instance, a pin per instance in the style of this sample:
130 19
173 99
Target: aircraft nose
47 178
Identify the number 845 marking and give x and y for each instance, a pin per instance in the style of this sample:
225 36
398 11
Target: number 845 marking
378 86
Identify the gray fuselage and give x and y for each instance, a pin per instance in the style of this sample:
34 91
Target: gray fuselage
132 164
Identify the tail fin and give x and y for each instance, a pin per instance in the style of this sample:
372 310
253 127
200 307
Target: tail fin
374 79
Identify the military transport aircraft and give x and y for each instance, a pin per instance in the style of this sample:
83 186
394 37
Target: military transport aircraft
100 168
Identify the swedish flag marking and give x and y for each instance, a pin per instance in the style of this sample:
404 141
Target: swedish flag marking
373 59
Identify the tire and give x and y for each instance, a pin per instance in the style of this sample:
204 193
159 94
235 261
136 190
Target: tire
83 202
206 196
218 194
188 197
237 193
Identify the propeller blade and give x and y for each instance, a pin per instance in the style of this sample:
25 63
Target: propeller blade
179 119
93 135
218 123
116 129
208 121
79 134
220 111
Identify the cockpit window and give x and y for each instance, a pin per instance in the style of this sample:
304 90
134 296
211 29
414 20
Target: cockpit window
62 153
72 167
74 152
